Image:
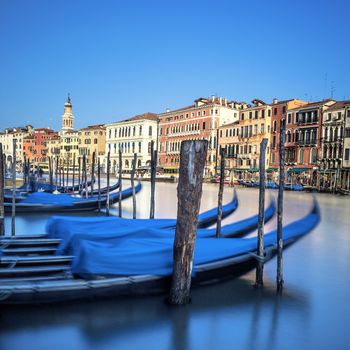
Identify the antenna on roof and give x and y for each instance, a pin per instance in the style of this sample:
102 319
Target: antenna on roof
332 88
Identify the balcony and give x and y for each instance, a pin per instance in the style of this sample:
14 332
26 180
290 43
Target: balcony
312 142
184 133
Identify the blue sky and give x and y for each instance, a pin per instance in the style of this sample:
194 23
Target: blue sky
121 58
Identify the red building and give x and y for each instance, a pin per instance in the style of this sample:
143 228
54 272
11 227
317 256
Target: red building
303 139
279 112
198 121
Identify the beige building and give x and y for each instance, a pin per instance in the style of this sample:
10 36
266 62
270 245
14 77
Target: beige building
255 124
133 135
93 139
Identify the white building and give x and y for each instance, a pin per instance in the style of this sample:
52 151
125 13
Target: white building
7 137
133 135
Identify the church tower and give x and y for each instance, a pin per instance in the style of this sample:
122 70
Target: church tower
67 117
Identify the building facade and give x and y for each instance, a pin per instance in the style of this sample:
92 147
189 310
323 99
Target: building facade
133 135
280 117
92 139
200 121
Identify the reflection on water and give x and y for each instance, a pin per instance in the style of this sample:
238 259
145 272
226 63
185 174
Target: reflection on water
313 311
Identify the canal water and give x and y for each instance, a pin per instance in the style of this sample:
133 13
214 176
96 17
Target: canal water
312 313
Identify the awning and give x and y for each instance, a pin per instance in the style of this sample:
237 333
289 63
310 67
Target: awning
298 170
239 169
270 170
253 170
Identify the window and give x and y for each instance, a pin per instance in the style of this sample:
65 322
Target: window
301 156
150 131
250 115
347 132
263 113
256 114
347 153
242 116
275 111
289 118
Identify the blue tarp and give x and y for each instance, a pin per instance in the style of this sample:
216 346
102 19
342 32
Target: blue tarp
154 256
72 231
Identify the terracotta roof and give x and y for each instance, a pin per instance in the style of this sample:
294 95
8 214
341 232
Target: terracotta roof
148 116
312 104
339 105
96 126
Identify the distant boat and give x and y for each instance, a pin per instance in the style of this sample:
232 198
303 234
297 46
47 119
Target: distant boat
48 202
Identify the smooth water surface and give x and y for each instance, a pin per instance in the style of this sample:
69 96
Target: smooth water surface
312 313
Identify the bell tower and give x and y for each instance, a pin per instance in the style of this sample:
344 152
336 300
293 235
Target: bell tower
67 116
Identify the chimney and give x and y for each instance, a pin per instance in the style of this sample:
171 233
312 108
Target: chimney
225 101
220 100
275 101
212 98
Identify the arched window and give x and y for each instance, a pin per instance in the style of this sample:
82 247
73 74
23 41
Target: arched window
126 163
301 156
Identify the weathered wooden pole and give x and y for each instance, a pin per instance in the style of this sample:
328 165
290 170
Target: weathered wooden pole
50 172
260 248
108 169
221 190
79 171
120 183
85 175
56 170
99 183
13 218
189 192
133 186
2 184
73 178
67 173
92 173
62 174
280 213
153 181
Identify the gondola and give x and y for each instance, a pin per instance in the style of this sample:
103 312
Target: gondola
47 202
71 234
46 187
294 187
144 266
57 225
23 194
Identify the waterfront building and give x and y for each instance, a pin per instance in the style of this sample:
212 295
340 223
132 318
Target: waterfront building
228 140
198 121
332 145
345 171
132 135
93 139
280 118
254 125
303 141
18 134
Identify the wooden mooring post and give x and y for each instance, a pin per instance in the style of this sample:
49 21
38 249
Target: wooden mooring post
79 173
260 247
67 165
108 171
92 173
189 193
280 212
221 190
56 170
85 176
2 185
13 216
153 181
120 183
133 186
73 177
99 183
